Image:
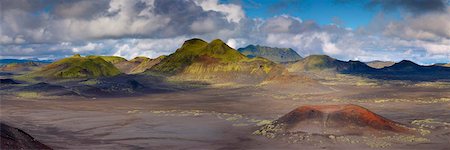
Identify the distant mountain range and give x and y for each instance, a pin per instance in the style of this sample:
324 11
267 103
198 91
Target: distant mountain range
403 70
408 70
10 61
198 60
20 67
278 55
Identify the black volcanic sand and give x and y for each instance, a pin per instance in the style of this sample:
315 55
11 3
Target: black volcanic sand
220 118
14 138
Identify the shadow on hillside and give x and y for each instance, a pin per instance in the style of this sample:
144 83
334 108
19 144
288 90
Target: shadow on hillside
118 86
420 75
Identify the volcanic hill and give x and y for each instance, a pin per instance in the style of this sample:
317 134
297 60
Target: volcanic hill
274 54
344 119
406 69
214 62
20 67
324 62
77 67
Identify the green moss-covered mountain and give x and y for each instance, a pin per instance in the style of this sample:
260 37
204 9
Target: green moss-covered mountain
324 62
78 67
274 54
214 61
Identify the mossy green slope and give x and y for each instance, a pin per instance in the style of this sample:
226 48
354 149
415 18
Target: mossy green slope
145 64
196 49
111 59
78 67
214 61
315 62
271 53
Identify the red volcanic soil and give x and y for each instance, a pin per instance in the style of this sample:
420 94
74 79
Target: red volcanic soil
337 119
13 138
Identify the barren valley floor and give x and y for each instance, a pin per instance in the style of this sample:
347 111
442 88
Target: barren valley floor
224 118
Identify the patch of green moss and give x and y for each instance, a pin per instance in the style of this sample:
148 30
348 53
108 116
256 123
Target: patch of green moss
111 59
29 94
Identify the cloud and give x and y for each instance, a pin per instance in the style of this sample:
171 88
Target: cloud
71 21
88 47
158 27
432 26
146 47
234 13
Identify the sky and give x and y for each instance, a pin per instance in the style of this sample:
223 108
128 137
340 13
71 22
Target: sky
364 30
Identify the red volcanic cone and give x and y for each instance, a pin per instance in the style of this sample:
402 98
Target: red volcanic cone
337 119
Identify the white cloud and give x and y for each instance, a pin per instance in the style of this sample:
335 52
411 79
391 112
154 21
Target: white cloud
431 26
86 48
156 27
146 47
233 12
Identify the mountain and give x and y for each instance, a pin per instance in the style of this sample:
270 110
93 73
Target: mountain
214 62
20 67
146 64
408 67
324 62
380 64
341 119
10 61
408 70
442 64
404 66
78 67
274 54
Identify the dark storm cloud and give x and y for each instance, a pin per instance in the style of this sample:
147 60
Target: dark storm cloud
42 21
130 28
86 9
183 16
